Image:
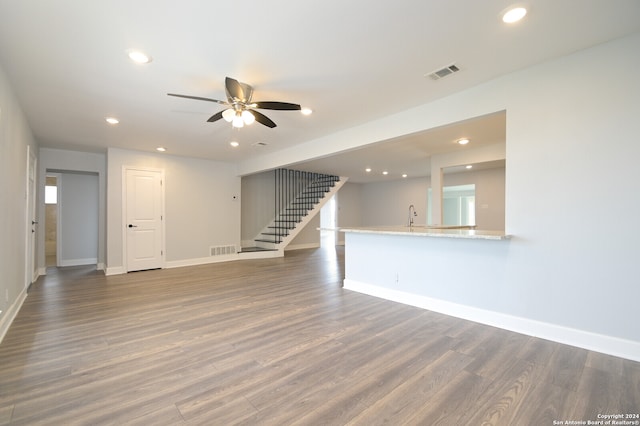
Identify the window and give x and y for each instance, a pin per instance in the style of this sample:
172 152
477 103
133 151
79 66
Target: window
458 205
50 194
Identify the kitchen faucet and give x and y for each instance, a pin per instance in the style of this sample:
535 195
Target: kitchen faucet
411 216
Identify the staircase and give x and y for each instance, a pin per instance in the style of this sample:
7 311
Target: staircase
298 197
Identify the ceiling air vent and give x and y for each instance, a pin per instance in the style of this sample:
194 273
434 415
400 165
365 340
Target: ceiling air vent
260 144
443 72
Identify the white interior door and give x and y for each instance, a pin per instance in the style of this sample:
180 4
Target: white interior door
143 219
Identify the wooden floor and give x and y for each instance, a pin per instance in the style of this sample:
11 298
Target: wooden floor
279 342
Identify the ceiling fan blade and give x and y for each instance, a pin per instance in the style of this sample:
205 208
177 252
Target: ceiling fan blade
282 106
234 89
198 98
263 119
215 117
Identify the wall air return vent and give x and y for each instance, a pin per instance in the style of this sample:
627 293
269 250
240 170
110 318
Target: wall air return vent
443 72
222 250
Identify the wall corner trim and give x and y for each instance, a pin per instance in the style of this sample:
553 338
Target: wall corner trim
10 315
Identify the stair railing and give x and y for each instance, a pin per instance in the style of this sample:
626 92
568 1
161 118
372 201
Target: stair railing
296 192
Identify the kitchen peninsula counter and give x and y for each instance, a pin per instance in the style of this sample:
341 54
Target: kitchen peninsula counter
443 269
462 232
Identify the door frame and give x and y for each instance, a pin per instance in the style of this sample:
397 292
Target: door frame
58 177
31 218
125 169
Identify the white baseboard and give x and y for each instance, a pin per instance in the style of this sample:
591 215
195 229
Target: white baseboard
7 318
78 262
260 254
100 266
615 346
201 261
115 270
223 258
42 271
302 246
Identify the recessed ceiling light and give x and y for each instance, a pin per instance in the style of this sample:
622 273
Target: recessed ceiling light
469 167
404 175
463 141
368 170
514 15
385 173
112 120
139 57
234 144
306 111
161 149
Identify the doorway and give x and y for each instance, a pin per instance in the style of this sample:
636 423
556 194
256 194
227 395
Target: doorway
32 222
51 196
143 207
71 218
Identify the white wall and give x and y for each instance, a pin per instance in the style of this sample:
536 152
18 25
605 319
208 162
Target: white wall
309 236
571 179
258 204
349 210
387 203
15 137
59 160
200 209
78 214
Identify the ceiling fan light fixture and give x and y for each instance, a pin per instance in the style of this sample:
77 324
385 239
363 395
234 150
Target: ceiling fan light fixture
228 115
239 108
237 122
247 117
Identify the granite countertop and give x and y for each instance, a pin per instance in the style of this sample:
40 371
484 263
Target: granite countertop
431 231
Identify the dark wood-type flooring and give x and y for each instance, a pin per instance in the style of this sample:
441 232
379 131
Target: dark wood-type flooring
279 342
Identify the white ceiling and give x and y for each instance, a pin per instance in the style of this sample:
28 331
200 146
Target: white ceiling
350 61
410 154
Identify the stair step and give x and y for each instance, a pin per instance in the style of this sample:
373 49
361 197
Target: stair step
260 240
254 249
317 189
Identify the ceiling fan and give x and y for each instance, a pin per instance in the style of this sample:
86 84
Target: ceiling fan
241 109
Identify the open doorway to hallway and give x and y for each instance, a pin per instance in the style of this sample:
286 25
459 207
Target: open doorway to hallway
71 218
51 219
